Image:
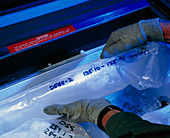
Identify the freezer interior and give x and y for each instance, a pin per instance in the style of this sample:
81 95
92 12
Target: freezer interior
68 67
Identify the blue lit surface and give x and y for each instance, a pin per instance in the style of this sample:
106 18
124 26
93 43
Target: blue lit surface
36 11
113 14
80 22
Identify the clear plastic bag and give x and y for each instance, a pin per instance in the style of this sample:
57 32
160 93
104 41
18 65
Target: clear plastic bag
144 67
43 128
136 101
160 116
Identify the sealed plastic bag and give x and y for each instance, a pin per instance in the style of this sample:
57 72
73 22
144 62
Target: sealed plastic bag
42 128
144 67
136 101
160 116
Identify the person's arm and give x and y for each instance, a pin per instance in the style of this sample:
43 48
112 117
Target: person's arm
129 125
165 25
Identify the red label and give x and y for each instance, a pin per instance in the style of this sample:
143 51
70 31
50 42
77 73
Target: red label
40 39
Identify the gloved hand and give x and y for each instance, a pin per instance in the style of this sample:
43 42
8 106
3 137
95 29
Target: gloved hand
80 111
132 36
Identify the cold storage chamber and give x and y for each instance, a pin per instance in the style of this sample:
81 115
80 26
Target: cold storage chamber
38 48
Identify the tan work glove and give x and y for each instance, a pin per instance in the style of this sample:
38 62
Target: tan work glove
132 36
86 110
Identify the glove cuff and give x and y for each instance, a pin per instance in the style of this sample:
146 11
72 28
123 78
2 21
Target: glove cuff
103 112
94 108
151 30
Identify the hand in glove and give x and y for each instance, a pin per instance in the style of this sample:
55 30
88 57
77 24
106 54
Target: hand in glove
132 36
80 111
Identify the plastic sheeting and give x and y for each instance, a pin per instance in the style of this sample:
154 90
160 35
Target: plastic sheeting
161 116
136 101
43 128
144 67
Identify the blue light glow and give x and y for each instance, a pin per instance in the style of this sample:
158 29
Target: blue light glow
36 11
107 16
